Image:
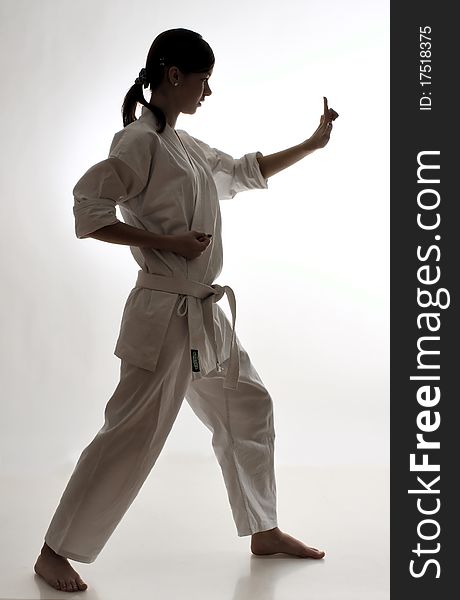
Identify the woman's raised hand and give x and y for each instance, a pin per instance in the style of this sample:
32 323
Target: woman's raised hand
190 244
321 136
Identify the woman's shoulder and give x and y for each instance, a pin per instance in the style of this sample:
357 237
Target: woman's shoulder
196 143
135 145
188 136
134 137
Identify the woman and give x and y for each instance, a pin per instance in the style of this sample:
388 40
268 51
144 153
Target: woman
175 341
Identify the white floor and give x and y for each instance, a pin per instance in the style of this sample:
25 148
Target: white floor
178 541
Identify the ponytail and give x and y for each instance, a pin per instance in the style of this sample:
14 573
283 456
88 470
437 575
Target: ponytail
128 109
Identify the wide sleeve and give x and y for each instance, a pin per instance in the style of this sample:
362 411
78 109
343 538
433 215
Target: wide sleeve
232 175
97 193
121 176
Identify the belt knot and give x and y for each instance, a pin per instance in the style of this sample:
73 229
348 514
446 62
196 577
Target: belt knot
208 294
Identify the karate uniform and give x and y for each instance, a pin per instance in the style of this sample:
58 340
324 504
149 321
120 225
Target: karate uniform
174 342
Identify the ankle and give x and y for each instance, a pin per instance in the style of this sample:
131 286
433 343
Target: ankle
268 531
47 550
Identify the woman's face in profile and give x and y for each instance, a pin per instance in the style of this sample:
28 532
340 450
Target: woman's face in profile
194 89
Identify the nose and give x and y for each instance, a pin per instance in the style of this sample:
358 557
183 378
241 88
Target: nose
207 90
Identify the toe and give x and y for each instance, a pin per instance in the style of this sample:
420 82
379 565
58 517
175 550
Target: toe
81 584
63 585
315 553
73 585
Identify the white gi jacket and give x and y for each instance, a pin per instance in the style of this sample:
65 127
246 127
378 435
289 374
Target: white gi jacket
163 188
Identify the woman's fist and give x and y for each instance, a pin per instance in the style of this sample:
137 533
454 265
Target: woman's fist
190 244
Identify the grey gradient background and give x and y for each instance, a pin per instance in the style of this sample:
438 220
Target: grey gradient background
308 260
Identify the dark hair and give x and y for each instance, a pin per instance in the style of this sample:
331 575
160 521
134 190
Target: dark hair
180 48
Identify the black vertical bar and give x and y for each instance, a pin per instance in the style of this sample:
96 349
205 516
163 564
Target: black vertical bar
425 273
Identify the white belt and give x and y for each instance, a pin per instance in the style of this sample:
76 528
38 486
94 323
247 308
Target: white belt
208 294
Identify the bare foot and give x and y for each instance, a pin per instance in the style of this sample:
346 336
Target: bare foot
274 540
57 572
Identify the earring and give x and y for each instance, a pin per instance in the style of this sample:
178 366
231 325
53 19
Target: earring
176 83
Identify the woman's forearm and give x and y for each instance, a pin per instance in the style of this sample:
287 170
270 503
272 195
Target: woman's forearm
274 163
122 233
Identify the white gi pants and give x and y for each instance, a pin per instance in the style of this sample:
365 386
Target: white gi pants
138 418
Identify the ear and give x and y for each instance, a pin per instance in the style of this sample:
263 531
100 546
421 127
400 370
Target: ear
174 75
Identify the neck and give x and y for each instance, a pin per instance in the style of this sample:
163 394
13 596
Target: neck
167 106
